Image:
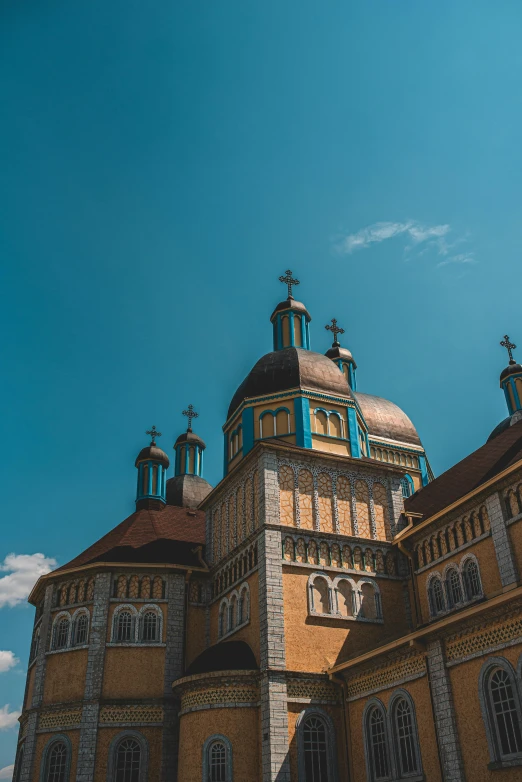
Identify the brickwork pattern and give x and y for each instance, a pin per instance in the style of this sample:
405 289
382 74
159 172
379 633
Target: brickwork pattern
211 696
501 541
485 639
389 676
131 714
312 690
444 712
51 720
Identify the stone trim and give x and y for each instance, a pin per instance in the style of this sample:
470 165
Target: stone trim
505 559
403 669
59 737
444 714
175 589
222 705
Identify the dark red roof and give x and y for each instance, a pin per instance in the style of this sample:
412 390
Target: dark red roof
476 469
167 535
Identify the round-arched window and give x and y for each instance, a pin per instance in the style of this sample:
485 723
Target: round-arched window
315 749
57 763
128 760
124 626
217 762
150 626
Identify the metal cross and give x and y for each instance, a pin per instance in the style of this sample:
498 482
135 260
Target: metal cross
153 433
289 280
509 347
190 413
335 329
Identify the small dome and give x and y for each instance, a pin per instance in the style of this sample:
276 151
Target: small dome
337 352
505 424
190 437
291 304
291 368
512 369
386 419
152 453
187 491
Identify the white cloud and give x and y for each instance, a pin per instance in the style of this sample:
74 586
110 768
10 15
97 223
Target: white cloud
459 258
6 772
379 232
8 719
7 661
23 571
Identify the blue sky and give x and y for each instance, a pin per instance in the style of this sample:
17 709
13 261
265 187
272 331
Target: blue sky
161 164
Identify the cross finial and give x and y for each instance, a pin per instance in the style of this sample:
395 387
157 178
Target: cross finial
510 346
153 433
335 329
289 280
190 413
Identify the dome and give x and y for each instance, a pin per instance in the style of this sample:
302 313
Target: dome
511 369
505 424
386 419
337 352
291 304
152 453
187 491
227 656
291 368
191 438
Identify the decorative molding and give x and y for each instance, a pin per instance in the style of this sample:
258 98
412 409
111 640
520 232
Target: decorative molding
391 675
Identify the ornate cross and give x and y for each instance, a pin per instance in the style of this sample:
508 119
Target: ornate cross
190 413
509 347
153 433
335 329
289 280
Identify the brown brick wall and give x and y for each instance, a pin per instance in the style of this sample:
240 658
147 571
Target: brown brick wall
65 676
133 672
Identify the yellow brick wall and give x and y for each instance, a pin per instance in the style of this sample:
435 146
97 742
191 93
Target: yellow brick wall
65 676
133 672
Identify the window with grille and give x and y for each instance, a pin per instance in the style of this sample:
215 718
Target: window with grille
378 744
57 763
217 762
35 645
406 488
454 587
505 713
472 580
61 634
406 738
124 626
80 634
315 745
150 626
436 593
128 760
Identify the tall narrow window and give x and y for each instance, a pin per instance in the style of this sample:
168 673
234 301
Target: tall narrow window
217 762
124 626
128 759
150 627
405 737
61 634
472 580
35 644
406 487
80 630
57 763
378 744
506 718
436 597
454 587
315 750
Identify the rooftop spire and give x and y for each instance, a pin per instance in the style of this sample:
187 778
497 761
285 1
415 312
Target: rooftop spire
510 347
190 413
153 433
335 329
289 281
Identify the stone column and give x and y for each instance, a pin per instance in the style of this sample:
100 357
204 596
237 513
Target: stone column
93 678
444 712
274 708
27 767
175 630
499 533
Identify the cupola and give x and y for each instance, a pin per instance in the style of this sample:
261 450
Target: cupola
152 464
511 379
342 356
188 487
290 320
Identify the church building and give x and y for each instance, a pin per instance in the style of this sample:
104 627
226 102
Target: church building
329 612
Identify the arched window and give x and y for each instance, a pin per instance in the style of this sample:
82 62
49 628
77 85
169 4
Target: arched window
319 596
56 769
315 746
472 579
222 621
436 597
217 759
407 486
453 586
405 735
61 633
35 645
128 761
124 629
501 710
80 632
345 598
377 744
150 627
370 605
232 611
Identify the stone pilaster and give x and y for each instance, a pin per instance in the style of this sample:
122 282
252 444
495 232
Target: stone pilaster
499 533
397 505
444 712
274 714
175 629
93 678
27 766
